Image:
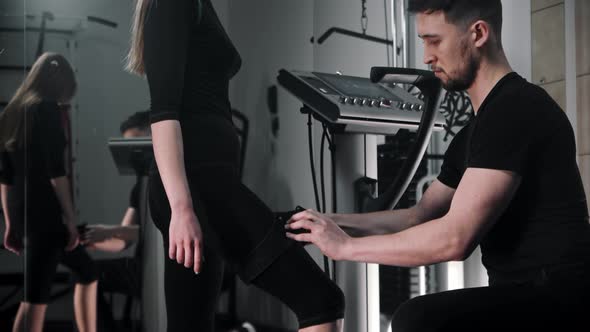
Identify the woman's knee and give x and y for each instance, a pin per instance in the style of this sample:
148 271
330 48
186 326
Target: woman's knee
296 280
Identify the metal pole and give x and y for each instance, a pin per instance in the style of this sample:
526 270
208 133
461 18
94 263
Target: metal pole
394 33
404 24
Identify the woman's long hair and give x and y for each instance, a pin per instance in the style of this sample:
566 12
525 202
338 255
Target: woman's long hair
135 56
52 79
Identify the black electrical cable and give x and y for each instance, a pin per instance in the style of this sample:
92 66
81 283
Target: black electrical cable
310 140
322 182
315 185
332 148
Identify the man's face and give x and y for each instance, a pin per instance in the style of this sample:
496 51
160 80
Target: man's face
135 132
448 50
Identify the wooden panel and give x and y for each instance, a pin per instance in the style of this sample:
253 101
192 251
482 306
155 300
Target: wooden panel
583 37
541 4
583 115
584 166
557 91
548 42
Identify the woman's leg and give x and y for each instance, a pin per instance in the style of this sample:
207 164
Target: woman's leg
41 261
296 280
249 235
29 318
85 306
191 299
85 290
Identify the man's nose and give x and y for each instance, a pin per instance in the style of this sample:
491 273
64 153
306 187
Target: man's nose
428 58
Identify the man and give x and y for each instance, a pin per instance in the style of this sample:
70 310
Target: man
509 183
121 275
116 238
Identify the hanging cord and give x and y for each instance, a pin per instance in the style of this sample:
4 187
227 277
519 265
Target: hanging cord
332 148
327 136
323 189
322 182
386 33
315 184
364 17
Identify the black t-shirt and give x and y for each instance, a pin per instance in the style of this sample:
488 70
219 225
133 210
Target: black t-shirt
189 60
28 170
519 128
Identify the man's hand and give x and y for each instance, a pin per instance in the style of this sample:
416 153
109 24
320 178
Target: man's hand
96 234
322 231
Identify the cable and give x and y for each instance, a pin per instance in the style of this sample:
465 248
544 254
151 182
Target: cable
315 185
332 148
310 140
323 185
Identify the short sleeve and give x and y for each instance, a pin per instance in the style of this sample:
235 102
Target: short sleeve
166 42
52 139
502 139
453 165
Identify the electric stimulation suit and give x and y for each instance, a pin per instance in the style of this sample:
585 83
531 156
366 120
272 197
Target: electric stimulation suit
189 60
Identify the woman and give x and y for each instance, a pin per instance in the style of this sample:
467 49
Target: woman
205 214
35 191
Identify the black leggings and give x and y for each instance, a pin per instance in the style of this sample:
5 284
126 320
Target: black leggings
558 304
41 262
239 228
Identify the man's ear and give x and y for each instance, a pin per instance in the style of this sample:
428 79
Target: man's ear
480 33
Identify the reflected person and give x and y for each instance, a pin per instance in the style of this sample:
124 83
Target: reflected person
35 189
121 275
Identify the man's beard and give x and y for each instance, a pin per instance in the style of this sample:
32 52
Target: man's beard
466 77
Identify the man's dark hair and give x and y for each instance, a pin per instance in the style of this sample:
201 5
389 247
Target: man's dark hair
139 120
463 12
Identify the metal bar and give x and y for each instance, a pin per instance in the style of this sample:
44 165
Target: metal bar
350 33
16 68
58 31
394 32
404 25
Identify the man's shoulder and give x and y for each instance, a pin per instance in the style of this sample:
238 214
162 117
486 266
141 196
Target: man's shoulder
522 101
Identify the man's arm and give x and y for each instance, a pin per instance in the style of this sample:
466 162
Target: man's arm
482 196
434 204
114 238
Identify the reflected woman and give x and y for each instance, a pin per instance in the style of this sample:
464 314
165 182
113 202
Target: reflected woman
39 214
204 212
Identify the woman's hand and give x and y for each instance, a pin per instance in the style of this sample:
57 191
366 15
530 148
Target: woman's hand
321 231
185 239
13 241
96 234
73 236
